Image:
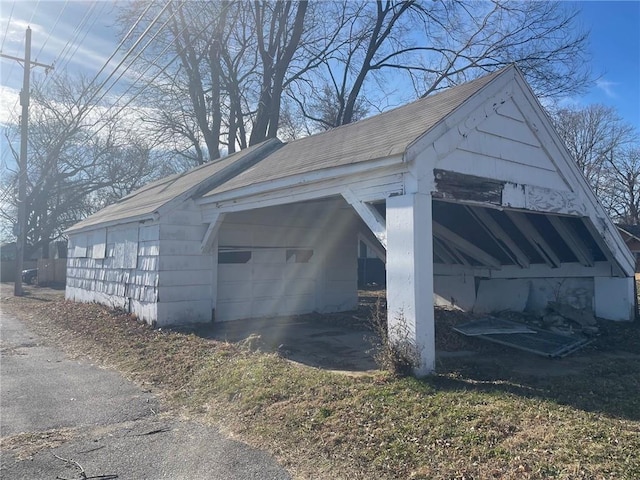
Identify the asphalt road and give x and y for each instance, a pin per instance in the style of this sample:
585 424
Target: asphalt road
65 418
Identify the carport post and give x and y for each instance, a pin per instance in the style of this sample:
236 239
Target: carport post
410 315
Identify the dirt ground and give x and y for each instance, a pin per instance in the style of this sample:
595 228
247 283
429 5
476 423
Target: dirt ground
348 341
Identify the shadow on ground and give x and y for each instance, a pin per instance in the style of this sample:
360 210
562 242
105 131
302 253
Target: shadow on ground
333 342
603 377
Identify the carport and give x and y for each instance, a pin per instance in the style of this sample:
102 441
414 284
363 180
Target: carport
469 196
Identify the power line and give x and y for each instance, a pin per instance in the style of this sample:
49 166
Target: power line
122 42
65 54
149 66
55 24
7 30
141 75
33 12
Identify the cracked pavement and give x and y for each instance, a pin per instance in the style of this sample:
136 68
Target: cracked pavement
66 418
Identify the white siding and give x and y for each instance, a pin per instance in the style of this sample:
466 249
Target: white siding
155 271
502 146
185 273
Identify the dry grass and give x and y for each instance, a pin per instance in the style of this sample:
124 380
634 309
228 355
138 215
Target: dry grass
473 420
24 445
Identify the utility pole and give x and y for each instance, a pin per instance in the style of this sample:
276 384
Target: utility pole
22 166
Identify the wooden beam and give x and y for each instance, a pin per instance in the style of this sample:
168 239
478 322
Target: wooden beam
532 235
572 240
211 233
373 245
501 237
602 244
369 215
443 253
465 246
457 255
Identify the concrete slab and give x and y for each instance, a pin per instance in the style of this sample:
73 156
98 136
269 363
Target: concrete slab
334 342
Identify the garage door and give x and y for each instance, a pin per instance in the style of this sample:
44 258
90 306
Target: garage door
261 282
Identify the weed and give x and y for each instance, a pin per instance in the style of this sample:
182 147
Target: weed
477 418
394 349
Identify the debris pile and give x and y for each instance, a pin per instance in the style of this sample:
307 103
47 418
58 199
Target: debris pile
559 331
563 318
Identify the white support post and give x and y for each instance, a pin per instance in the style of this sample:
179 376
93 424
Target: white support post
410 313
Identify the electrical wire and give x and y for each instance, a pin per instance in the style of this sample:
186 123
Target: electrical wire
33 13
55 24
152 79
62 60
122 42
152 64
141 75
129 52
7 30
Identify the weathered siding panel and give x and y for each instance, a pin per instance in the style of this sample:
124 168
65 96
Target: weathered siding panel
118 268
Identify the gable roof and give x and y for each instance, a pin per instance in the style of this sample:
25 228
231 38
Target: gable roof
146 201
384 135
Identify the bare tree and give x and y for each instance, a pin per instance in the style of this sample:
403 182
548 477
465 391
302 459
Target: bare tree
79 160
594 136
238 62
389 46
623 189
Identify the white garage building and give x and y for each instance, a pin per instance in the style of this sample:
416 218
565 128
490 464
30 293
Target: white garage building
469 194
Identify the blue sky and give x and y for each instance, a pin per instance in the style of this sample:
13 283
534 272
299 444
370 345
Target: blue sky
614 26
615 48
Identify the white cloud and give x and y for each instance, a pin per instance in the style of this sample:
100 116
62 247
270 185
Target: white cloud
607 87
9 105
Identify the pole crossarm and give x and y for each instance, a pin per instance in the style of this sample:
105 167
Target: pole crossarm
31 62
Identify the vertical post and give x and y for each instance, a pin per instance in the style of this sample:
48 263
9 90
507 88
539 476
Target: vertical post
410 313
22 168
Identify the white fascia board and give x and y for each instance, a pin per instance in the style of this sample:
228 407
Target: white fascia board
245 194
152 217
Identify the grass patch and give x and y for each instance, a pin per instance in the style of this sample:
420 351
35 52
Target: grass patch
473 420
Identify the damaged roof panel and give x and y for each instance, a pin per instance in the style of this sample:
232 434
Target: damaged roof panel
523 337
